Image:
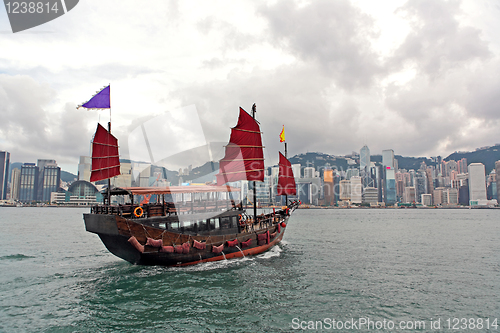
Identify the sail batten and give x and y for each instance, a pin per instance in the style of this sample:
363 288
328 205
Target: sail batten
286 180
105 156
244 158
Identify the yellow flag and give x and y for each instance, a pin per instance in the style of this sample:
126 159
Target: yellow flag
282 134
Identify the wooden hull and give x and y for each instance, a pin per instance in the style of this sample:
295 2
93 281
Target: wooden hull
117 232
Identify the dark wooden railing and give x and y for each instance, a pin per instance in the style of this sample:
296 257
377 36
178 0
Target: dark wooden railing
167 209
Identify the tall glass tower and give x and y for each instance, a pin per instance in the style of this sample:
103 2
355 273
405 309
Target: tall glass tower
4 173
364 157
477 184
364 166
388 158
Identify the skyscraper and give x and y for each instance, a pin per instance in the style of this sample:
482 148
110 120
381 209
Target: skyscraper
388 158
28 183
462 165
364 157
429 180
14 187
477 184
329 187
4 173
497 170
356 190
84 168
364 166
49 178
309 172
390 186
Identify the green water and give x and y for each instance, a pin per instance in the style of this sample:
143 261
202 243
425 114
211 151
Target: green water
411 266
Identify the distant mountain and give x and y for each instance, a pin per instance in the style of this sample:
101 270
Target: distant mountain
198 173
486 155
68 177
320 160
405 162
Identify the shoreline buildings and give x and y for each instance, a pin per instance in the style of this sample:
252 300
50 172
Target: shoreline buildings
356 179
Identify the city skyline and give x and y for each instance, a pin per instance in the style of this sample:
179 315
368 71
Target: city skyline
416 76
374 183
74 169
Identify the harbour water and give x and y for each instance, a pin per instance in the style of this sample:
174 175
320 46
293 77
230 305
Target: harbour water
401 267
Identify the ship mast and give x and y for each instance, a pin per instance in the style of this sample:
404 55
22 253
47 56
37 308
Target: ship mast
105 156
254 109
109 179
286 195
109 130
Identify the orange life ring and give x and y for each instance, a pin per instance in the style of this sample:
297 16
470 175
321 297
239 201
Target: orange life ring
136 211
241 222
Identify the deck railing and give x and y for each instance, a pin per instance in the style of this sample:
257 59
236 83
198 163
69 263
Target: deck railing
166 209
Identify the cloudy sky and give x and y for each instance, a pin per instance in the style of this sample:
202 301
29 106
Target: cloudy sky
420 77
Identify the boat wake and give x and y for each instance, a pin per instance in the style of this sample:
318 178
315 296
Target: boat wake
272 253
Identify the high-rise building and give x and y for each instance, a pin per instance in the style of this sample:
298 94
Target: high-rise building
296 170
84 168
14 184
309 190
262 190
420 184
497 170
28 183
356 190
477 184
4 173
388 158
49 179
352 172
462 166
329 188
345 190
124 179
400 185
309 172
463 195
409 194
439 196
390 186
429 181
448 167
364 165
452 196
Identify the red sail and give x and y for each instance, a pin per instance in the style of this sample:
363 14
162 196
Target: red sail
286 181
244 159
105 158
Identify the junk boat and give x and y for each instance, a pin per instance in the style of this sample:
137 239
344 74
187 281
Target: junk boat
185 225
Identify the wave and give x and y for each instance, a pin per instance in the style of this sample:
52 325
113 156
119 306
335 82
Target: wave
18 256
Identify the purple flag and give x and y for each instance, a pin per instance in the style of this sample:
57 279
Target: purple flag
99 101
